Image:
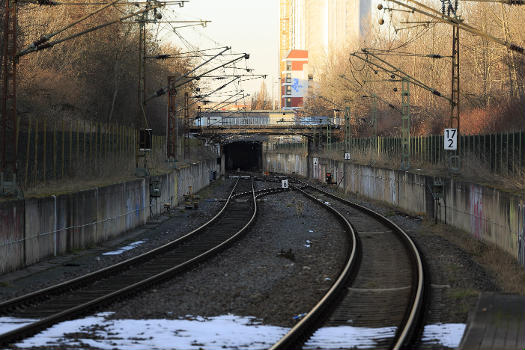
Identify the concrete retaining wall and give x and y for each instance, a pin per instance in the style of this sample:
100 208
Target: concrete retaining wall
11 230
486 213
285 163
36 228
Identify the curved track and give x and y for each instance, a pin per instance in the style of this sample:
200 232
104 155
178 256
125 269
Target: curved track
380 303
84 294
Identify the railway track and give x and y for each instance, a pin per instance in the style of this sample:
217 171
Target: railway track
378 297
82 295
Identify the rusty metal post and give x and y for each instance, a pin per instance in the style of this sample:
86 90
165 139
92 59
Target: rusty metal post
171 129
8 151
187 148
454 158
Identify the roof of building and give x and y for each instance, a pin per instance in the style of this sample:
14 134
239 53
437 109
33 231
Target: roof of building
298 54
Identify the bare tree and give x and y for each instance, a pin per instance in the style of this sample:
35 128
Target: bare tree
261 100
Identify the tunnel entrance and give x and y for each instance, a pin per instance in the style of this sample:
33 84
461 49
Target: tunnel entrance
243 155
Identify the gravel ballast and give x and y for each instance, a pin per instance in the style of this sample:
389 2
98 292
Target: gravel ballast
278 270
458 272
159 230
285 263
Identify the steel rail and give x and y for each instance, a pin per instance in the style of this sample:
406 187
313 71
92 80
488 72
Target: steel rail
34 327
107 271
302 328
410 324
84 280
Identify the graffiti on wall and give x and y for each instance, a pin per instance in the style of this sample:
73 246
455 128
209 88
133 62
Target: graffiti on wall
11 224
476 211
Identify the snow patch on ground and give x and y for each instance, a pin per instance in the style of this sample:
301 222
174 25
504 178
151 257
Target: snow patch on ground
124 249
197 332
446 334
228 331
9 323
348 337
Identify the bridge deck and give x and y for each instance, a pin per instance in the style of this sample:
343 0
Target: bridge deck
261 129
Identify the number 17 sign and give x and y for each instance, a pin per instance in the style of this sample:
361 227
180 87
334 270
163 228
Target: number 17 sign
451 139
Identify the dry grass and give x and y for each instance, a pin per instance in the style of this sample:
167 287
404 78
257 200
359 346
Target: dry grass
508 273
112 170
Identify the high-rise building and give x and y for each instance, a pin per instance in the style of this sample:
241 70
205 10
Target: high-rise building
295 81
285 31
320 27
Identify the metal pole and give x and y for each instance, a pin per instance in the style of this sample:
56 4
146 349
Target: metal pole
405 125
347 129
454 159
328 136
8 147
374 117
319 144
171 130
142 84
186 126
56 225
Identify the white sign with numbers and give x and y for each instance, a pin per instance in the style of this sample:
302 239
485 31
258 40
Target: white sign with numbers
347 156
284 183
451 139
316 161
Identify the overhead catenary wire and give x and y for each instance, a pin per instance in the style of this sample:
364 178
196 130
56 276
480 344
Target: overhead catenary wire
49 44
202 64
120 2
396 71
194 53
202 97
222 105
163 90
430 12
405 54
45 38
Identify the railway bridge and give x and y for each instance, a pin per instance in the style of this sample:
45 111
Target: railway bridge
242 133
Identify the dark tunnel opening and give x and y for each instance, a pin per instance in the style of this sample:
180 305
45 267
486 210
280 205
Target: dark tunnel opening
244 155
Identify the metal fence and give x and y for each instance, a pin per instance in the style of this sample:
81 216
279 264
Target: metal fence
500 153
50 150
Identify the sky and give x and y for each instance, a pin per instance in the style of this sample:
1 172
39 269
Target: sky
250 26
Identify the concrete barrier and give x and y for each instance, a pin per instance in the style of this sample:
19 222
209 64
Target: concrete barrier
285 163
488 214
36 228
11 232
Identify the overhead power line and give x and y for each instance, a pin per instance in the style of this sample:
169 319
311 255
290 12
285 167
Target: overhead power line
45 38
119 3
164 90
430 12
398 72
43 43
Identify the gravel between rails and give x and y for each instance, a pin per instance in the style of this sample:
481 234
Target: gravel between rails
252 278
158 231
456 278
